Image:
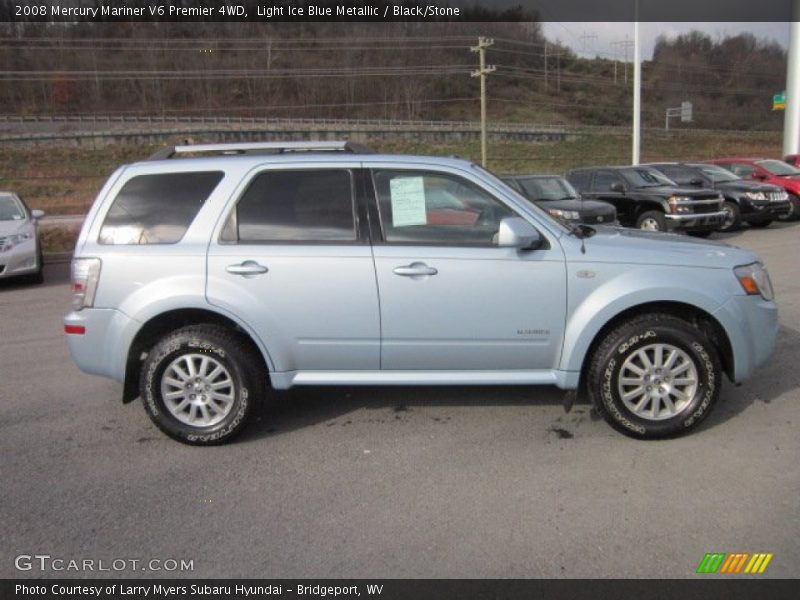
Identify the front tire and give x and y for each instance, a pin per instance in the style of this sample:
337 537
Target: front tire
733 216
655 376
652 220
794 209
199 384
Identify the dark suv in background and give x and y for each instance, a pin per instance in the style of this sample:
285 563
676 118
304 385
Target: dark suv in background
646 198
556 195
745 201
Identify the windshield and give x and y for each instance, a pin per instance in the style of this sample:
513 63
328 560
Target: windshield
548 188
646 177
10 209
778 167
718 174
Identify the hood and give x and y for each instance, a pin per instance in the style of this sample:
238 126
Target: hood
747 186
595 207
633 246
11 227
669 190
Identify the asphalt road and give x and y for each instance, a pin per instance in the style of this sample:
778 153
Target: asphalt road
400 482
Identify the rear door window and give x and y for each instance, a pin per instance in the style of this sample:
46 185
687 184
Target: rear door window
157 209
603 181
315 205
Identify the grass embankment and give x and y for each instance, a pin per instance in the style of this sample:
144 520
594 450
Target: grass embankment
65 180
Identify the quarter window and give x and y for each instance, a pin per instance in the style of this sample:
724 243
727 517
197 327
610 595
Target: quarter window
435 208
157 209
284 206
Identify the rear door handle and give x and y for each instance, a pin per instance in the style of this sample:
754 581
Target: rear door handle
415 269
247 268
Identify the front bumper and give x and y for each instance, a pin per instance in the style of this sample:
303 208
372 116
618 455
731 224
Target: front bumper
704 221
765 211
752 327
20 260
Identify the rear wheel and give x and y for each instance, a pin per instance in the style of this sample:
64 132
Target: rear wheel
652 220
655 376
199 384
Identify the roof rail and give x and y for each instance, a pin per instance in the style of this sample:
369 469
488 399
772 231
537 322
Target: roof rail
259 148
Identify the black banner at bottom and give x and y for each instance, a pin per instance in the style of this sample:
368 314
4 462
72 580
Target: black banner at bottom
396 589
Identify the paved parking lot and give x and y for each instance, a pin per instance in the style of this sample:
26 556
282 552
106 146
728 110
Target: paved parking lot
401 482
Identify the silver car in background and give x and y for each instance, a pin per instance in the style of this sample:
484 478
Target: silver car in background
20 251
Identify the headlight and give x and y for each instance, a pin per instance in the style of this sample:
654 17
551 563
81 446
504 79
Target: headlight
678 204
755 195
571 215
15 240
754 279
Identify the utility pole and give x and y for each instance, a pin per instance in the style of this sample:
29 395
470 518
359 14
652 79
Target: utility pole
625 45
637 90
548 53
482 72
586 36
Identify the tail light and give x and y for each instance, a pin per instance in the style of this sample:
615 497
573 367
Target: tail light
85 275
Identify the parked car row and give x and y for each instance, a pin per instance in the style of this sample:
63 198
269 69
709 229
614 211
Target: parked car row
698 198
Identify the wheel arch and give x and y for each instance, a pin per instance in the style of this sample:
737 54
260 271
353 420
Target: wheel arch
692 314
171 320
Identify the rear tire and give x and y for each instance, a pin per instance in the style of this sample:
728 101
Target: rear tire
652 220
654 376
199 384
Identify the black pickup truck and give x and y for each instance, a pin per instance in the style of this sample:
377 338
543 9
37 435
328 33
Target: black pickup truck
647 199
747 201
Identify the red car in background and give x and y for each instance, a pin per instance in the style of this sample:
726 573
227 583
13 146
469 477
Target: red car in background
767 170
792 159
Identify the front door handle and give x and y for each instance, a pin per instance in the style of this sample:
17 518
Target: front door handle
415 269
248 268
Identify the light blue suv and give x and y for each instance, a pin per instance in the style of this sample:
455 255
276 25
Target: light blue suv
209 275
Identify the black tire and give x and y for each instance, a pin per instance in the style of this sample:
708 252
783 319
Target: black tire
654 218
761 224
219 346
733 218
623 346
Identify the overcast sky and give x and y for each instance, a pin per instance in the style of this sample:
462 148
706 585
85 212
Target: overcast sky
591 39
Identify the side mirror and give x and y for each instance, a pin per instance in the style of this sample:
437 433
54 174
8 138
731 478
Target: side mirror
696 182
37 214
516 232
759 176
617 187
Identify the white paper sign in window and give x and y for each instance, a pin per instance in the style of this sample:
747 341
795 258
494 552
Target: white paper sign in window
408 201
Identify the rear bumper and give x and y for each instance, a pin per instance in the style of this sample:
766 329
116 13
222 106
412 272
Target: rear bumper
705 221
102 348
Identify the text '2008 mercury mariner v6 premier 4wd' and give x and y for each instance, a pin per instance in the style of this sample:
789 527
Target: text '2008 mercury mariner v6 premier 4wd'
209 275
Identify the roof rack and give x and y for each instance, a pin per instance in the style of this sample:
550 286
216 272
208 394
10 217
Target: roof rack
259 148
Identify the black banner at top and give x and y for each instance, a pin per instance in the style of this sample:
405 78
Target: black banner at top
395 10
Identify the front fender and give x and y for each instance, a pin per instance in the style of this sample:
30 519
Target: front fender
592 306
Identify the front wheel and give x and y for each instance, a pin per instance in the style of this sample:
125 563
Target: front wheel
733 216
652 220
794 209
655 376
199 384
